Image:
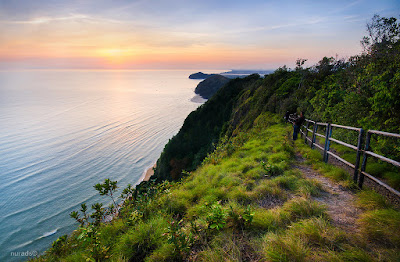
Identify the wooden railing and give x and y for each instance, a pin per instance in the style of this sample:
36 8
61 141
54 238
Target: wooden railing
359 173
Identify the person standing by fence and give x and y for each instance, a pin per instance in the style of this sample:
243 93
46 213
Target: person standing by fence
297 124
286 117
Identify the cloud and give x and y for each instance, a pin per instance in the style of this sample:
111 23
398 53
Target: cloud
346 7
70 17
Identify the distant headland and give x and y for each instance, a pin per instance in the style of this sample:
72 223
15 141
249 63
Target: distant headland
200 75
213 82
234 73
208 87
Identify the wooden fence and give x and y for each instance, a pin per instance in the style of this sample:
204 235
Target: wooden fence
359 173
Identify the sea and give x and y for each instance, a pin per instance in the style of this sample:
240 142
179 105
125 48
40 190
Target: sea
63 131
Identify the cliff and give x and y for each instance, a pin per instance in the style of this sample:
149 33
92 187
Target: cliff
210 85
201 129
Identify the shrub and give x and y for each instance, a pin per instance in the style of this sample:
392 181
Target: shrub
216 217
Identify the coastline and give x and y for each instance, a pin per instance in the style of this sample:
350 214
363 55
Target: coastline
148 173
198 99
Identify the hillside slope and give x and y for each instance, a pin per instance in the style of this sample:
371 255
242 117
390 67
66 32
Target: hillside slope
247 202
200 132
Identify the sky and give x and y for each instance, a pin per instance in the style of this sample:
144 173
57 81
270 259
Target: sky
182 34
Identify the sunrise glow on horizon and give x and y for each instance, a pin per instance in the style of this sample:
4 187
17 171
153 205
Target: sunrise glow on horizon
181 34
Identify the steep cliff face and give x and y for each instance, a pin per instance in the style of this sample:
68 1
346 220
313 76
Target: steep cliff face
201 131
208 87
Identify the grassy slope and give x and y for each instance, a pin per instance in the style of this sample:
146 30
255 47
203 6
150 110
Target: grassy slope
244 203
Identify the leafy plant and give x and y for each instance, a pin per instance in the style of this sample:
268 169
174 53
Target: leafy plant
128 192
82 220
91 236
241 218
57 247
270 169
178 238
216 217
248 215
134 217
108 188
98 213
89 232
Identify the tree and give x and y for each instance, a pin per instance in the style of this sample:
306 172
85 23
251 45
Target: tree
299 63
383 33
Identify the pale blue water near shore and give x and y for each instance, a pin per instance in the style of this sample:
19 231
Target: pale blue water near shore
61 132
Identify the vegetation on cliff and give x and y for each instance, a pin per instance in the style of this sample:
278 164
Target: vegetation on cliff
208 87
200 131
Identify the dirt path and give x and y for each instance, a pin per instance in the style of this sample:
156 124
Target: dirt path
338 200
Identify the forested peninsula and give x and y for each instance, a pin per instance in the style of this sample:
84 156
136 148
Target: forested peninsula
208 87
233 186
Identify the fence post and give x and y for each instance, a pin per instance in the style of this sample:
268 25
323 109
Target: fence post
364 163
313 136
357 164
301 131
328 143
326 146
306 133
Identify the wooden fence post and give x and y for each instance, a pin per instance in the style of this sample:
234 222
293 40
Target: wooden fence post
328 144
326 147
364 163
306 133
357 164
315 129
301 131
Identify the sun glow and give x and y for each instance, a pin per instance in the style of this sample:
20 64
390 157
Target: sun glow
115 55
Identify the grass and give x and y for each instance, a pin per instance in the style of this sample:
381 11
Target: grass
370 200
242 205
146 237
382 226
303 241
301 208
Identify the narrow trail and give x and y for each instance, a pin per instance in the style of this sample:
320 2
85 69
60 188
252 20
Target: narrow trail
339 201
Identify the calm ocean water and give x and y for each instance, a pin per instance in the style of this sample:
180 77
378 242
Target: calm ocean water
61 132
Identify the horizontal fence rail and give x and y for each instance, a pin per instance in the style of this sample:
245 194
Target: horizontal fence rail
369 153
359 173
